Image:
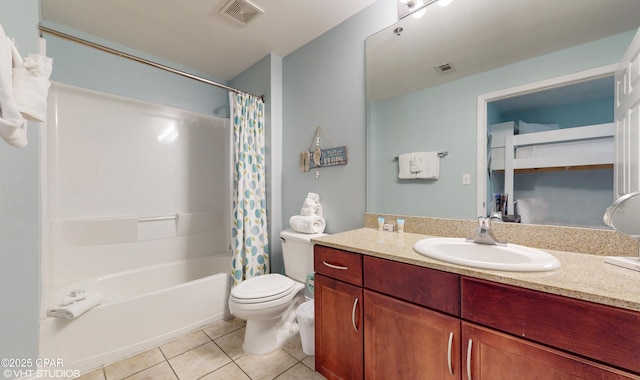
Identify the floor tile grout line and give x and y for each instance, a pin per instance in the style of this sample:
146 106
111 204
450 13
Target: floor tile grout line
225 334
151 366
142 370
193 348
282 373
211 339
166 359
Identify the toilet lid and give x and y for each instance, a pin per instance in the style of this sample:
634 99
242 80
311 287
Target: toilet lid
263 288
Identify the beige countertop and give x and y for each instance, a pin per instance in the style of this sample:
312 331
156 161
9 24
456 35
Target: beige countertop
581 276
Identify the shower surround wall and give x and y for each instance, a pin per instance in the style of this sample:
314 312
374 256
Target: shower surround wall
137 205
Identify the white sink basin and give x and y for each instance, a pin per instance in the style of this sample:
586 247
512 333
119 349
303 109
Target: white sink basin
512 257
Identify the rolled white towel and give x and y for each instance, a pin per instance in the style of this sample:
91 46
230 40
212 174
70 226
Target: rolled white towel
311 205
310 224
31 85
76 309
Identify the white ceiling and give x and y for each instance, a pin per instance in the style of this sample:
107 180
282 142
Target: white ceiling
475 36
193 33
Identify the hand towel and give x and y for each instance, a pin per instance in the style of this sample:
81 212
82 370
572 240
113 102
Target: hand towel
31 84
429 165
404 166
13 128
76 309
311 224
415 163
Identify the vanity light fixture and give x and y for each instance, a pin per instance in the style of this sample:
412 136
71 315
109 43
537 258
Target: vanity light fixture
417 8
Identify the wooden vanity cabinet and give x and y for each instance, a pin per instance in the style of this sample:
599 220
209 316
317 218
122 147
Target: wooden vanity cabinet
373 322
490 355
382 319
414 339
598 332
339 333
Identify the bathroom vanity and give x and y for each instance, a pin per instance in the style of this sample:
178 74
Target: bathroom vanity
385 312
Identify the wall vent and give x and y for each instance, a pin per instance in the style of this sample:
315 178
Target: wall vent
242 11
444 68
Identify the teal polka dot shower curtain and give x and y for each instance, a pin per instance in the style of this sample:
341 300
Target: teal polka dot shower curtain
250 243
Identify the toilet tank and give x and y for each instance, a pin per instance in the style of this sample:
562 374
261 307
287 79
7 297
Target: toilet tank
297 252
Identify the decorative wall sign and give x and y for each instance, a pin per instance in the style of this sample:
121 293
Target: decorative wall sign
330 157
316 158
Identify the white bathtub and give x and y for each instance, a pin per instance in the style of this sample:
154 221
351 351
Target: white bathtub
140 309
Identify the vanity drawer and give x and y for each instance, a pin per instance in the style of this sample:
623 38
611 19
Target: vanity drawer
600 332
341 265
419 285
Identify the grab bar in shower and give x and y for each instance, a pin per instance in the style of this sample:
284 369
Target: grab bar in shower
157 218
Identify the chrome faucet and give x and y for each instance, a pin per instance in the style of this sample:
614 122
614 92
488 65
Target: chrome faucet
484 235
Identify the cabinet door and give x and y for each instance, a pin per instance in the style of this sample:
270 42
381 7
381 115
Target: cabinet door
491 355
338 329
405 341
603 333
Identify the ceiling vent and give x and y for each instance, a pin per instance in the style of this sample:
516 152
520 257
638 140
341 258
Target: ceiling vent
241 11
445 68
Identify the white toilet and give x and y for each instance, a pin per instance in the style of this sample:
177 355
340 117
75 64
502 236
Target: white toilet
268 303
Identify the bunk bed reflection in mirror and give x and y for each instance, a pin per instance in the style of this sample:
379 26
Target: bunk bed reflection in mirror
552 151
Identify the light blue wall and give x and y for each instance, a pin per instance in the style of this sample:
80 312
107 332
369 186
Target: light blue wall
87 67
20 211
444 118
320 84
324 85
20 224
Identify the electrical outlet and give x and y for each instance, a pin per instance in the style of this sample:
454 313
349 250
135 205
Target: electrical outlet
466 179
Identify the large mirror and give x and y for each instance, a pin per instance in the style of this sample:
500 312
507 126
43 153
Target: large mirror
426 81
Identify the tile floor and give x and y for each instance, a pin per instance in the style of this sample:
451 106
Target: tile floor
212 352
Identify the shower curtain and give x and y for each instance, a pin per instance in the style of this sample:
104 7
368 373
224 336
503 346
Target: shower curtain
249 229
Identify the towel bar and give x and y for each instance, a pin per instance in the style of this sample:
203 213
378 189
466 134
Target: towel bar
440 154
157 218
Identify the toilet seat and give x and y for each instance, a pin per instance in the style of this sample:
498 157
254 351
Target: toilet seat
262 289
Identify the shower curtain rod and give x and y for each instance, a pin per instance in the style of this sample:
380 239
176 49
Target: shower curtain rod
141 60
